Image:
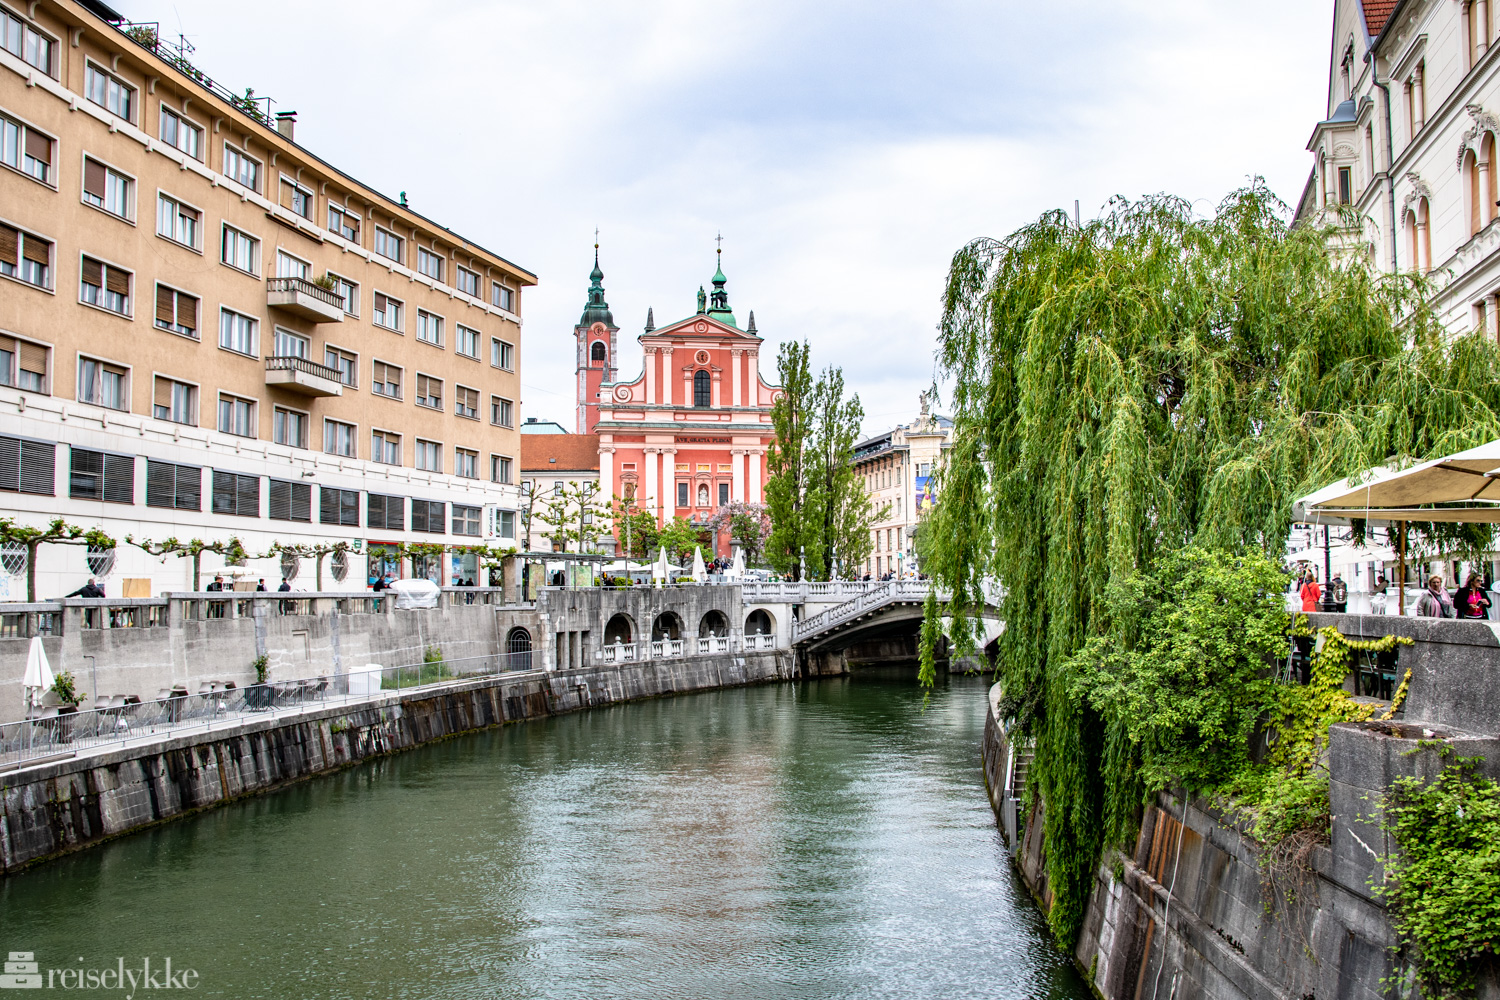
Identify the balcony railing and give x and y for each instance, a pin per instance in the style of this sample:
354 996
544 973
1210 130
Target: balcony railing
306 299
302 375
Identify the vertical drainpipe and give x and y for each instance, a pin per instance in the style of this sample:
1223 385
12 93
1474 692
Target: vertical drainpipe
1390 158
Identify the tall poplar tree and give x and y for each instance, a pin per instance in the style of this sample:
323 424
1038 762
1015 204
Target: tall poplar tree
843 509
792 531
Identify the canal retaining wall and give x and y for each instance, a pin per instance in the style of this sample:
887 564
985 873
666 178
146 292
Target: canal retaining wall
1187 914
56 807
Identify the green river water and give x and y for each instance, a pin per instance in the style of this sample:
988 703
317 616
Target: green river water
824 839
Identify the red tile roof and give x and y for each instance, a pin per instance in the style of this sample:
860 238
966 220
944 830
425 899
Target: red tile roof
1377 12
574 453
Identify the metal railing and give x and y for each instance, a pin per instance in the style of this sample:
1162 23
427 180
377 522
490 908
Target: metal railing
291 362
52 733
302 285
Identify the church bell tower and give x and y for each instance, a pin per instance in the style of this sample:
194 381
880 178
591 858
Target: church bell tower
597 349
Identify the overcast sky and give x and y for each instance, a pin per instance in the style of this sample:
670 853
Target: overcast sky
845 150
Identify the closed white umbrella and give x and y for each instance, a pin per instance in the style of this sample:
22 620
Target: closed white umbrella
738 570
659 568
700 571
38 679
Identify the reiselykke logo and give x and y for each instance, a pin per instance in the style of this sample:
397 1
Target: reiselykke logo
23 972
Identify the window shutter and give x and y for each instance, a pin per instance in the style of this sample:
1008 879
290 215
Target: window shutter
380 302
162 395
421 387
38 147
187 312
165 305
94 178
33 358
10 244
419 515
375 510
247 500
301 502
115 279
281 500
189 487
188 213
10 464
223 492
395 513
93 272
119 478
349 508
85 469
36 249
38 467
160 484
328 505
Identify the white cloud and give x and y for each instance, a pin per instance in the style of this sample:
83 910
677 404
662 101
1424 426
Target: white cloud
845 149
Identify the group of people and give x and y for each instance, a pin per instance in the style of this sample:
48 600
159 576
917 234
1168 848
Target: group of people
260 586
1472 600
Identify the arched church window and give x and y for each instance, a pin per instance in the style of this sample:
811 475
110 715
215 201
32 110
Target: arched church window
702 394
596 352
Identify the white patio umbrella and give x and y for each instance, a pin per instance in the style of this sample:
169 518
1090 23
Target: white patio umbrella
1468 482
737 571
659 568
700 571
38 679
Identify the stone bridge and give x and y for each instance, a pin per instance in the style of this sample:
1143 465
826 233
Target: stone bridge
879 623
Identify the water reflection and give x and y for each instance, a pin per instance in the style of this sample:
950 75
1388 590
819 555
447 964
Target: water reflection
817 840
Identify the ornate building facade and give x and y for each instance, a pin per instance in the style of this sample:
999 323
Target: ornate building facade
1408 146
690 433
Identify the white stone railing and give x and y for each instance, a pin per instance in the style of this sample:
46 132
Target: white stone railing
892 592
804 591
672 649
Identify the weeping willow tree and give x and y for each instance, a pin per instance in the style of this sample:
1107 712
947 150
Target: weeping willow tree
1147 382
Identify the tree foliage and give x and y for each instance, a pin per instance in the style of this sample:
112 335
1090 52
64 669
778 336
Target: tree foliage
57 532
679 537
635 527
1151 380
231 548
793 532
748 525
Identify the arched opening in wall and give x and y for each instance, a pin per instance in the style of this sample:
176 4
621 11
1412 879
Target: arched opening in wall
518 646
597 351
619 629
1424 235
1414 251
702 388
629 490
702 494
340 565
666 626
290 564
1471 176
759 623
101 561
713 624
1487 157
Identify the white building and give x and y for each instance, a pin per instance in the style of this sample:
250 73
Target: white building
898 468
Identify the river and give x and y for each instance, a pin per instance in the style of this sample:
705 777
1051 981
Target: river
821 840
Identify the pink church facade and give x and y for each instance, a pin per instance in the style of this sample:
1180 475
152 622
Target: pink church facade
691 432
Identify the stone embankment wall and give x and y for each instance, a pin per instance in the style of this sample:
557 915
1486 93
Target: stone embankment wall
1186 913
53 808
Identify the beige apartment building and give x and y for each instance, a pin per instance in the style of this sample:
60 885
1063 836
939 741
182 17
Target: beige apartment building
206 330
897 468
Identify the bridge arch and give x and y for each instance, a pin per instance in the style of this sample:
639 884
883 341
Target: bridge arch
619 629
713 624
760 622
666 626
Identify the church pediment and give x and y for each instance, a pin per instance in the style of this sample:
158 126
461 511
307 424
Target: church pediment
699 326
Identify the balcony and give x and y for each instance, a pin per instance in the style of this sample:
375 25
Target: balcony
301 297
304 376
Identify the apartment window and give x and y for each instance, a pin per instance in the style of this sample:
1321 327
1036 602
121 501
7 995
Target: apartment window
430 264
109 92
25 257
468 341
505 523
346 364
466 520
465 463
235 494
465 402
429 391
27 466
387 312
342 222
1346 186
338 507
237 332
723 494
179 132
26 149
385 380
385 512
429 456
105 188
429 328
296 198
500 469
240 250
502 412
102 383
23 364
177 311
22 40
468 282
502 354
290 345
96 475
176 221
289 501
385 447
289 427
236 415
429 515
682 494
389 245
349 290
241 167
175 401
338 438
288 266
105 286
502 296
176 487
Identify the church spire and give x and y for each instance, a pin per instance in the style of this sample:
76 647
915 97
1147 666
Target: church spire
718 306
650 319
597 310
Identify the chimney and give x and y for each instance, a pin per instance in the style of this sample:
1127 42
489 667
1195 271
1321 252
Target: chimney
286 124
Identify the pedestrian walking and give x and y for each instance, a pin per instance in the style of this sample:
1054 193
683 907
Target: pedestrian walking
1471 601
1338 593
1310 592
1435 602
